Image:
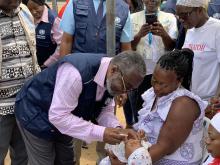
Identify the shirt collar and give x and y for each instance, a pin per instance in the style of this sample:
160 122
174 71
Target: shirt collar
101 74
44 17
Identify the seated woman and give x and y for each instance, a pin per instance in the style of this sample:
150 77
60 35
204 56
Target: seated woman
171 117
213 142
48 33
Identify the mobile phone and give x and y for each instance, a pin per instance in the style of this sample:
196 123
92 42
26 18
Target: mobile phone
150 18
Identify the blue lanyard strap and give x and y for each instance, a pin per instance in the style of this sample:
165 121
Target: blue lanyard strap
150 38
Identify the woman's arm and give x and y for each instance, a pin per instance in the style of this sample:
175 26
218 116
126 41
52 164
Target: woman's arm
177 127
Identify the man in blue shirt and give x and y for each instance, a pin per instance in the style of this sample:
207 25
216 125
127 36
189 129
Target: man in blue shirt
68 25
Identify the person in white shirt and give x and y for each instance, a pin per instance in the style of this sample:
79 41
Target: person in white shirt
203 37
151 40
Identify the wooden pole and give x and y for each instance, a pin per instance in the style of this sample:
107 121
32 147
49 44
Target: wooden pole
110 25
54 6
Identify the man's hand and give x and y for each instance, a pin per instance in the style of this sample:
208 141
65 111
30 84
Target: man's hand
145 28
112 136
113 159
129 133
130 146
158 29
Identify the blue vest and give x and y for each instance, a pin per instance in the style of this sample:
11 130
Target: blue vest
44 43
34 99
89 35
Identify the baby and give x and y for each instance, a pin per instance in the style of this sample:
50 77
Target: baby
134 158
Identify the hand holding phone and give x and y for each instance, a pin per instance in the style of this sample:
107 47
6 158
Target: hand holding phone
150 18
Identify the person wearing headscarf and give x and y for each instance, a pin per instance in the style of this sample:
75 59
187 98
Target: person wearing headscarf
203 37
213 142
48 33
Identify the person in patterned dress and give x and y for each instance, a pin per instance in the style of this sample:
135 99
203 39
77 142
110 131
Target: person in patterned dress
17 64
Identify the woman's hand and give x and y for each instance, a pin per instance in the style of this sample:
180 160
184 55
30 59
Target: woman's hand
141 135
129 133
213 107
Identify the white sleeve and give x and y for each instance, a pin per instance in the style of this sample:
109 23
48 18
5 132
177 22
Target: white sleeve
173 30
217 42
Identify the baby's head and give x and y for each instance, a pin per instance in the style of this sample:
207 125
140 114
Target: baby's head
213 140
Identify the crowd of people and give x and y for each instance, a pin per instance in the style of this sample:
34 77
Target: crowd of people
59 89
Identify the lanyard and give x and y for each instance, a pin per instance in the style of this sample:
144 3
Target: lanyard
150 38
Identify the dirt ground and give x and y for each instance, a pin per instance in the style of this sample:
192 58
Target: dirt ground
88 155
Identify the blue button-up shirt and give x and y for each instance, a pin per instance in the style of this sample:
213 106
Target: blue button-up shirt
68 23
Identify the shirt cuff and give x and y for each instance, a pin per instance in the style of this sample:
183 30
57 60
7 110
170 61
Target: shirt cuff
98 132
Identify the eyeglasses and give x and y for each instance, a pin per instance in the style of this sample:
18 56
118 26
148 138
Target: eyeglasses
123 82
184 15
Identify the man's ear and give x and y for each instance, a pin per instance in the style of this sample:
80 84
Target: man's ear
113 68
201 9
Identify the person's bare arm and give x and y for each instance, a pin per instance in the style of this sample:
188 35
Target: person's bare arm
159 30
177 127
125 46
66 44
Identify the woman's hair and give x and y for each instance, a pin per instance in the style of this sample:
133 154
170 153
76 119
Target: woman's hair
39 2
181 62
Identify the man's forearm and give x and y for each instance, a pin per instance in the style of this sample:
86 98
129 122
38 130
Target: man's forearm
168 42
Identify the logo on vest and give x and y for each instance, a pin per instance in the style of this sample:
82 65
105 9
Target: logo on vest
117 22
41 31
41 34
